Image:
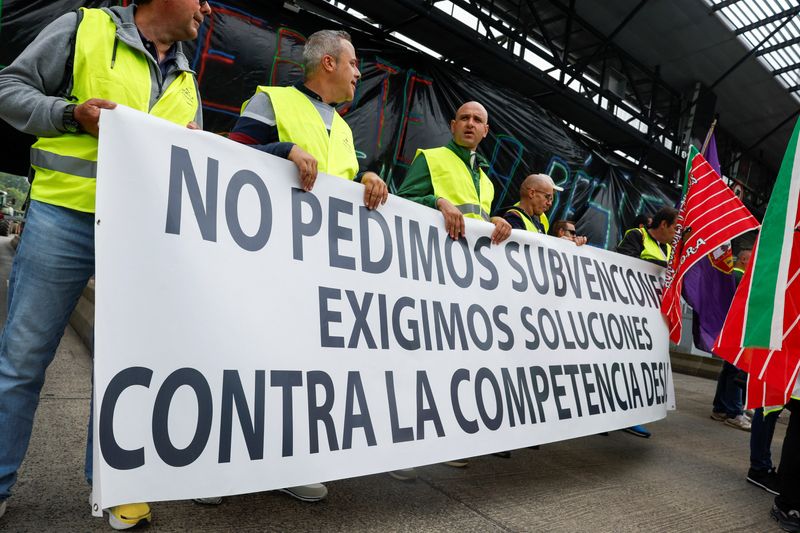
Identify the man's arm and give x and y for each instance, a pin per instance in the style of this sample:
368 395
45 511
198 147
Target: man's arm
417 185
260 136
257 127
376 192
28 86
502 229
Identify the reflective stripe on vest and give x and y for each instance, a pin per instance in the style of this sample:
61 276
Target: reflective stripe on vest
299 122
65 163
104 67
652 251
529 226
452 180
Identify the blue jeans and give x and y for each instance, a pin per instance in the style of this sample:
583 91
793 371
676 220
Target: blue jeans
54 260
728 398
761 439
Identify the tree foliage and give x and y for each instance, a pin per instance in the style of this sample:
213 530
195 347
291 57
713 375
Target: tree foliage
16 187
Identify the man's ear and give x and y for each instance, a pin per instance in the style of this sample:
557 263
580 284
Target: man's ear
328 63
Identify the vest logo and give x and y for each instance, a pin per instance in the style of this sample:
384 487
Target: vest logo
347 144
187 95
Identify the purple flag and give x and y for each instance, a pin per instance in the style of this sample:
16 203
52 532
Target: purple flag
709 285
709 290
711 155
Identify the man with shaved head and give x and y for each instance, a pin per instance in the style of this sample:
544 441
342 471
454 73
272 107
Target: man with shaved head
535 198
450 178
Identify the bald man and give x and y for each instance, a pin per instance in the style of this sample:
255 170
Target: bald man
450 178
535 198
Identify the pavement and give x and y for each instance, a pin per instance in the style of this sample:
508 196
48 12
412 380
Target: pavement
690 476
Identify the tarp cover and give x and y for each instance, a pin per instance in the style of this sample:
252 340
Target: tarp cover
405 101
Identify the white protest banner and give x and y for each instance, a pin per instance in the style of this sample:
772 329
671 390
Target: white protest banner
252 336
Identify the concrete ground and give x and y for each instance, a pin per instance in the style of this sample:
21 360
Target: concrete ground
688 477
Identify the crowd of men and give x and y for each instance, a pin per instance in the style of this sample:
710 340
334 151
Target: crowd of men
98 58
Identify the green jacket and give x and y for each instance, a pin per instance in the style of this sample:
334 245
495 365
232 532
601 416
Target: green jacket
417 185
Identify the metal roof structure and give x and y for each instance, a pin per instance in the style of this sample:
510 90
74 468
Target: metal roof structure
546 51
772 30
627 73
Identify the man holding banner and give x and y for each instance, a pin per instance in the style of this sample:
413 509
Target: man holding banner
81 63
535 198
450 178
300 123
651 244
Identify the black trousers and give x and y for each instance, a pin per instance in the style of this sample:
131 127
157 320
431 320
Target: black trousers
789 468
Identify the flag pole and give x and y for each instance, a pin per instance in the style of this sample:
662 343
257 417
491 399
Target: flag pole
708 136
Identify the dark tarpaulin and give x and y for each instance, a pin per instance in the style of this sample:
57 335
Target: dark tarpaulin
23 19
404 101
20 22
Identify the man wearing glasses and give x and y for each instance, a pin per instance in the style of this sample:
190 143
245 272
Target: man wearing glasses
565 229
81 63
535 198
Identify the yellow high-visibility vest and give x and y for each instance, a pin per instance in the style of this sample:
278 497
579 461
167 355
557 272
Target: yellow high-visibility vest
652 251
452 180
528 224
104 67
545 222
299 122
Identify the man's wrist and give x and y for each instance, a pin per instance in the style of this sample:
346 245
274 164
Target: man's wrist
69 122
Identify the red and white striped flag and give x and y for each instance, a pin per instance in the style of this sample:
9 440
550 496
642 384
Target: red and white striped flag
710 216
761 334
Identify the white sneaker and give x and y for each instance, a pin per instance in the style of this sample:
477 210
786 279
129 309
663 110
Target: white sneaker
307 493
208 501
739 422
404 474
2 508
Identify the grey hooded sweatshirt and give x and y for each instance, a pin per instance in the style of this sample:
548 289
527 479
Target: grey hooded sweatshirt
28 86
